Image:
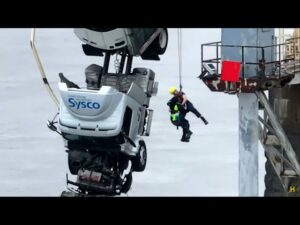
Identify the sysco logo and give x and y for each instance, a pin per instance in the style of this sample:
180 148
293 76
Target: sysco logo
83 104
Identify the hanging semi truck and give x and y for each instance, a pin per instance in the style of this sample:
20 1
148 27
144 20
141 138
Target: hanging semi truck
103 122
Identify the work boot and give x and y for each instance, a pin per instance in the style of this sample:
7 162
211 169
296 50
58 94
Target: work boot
204 120
185 140
188 134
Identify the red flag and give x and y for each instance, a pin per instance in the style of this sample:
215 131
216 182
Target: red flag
230 71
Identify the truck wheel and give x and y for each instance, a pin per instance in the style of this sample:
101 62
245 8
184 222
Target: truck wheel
161 42
140 160
127 184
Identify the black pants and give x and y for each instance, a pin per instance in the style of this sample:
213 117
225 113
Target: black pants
191 108
184 123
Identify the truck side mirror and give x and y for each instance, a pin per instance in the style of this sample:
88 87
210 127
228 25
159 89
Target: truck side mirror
51 126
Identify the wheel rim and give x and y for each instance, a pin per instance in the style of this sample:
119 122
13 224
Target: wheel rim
143 155
163 39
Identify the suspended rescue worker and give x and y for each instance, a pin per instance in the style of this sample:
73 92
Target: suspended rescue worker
183 106
178 118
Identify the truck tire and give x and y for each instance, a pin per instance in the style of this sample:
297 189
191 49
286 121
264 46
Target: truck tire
127 184
161 42
140 160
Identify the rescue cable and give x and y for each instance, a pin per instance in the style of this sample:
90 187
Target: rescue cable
180 67
180 57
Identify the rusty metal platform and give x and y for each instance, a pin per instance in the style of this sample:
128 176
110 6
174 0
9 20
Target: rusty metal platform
250 85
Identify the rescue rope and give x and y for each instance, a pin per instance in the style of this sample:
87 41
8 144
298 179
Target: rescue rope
41 68
180 57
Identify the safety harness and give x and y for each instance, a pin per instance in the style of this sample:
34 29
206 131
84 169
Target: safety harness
175 115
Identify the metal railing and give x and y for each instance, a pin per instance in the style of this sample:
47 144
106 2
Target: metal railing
277 63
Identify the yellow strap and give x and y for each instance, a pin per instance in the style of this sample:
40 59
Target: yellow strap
176 108
175 116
